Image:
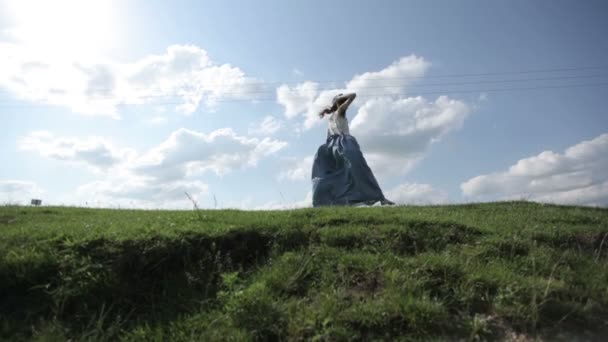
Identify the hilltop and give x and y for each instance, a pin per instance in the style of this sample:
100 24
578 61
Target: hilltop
509 270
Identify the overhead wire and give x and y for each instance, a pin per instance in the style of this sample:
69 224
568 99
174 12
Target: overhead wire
376 77
261 95
446 92
237 93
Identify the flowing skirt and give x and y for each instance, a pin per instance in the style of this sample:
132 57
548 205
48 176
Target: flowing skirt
341 176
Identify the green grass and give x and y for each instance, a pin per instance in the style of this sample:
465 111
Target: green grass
511 270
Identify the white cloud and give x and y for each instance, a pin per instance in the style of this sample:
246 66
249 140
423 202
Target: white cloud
268 126
305 98
143 193
297 99
577 176
183 76
160 176
95 152
392 79
412 193
183 154
299 170
63 27
16 191
187 153
275 205
157 120
16 186
396 133
174 166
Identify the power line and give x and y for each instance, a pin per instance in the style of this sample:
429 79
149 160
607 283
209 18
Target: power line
442 92
515 72
598 84
245 93
380 78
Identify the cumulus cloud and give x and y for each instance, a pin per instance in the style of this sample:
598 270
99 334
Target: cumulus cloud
413 193
187 153
159 176
299 169
16 186
297 99
157 120
184 153
184 75
306 98
268 126
18 191
275 205
95 152
577 176
393 79
141 192
395 133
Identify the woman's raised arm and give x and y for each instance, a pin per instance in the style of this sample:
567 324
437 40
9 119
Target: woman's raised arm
344 101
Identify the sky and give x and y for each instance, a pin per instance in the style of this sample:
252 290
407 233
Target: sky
133 104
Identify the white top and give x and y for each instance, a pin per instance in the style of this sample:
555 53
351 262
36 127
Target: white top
338 124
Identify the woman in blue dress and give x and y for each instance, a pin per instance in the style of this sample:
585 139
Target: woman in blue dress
340 174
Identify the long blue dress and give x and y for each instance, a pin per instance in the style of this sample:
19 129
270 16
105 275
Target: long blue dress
341 176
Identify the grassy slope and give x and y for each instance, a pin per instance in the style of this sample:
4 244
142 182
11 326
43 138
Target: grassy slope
484 271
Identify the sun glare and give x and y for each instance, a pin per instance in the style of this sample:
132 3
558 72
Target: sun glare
73 27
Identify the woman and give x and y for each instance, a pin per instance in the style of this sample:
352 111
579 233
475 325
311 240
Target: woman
340 174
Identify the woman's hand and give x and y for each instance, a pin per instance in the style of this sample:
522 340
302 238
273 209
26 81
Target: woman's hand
323 112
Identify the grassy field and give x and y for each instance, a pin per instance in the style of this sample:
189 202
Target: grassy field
513 271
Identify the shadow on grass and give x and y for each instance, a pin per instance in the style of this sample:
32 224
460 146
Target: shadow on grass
152 279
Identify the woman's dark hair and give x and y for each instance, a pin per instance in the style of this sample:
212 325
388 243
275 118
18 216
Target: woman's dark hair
332 108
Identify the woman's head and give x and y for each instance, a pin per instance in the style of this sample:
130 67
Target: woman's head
334 104
331 108
334 101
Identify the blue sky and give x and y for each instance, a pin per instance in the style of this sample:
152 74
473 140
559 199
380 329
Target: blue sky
133 103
